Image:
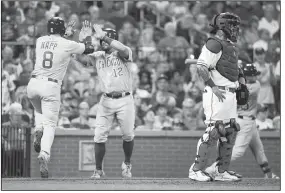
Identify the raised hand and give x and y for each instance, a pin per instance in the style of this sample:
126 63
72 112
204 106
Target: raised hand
86 30
99 33
69 28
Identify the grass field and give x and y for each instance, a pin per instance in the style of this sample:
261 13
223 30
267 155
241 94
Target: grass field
135 184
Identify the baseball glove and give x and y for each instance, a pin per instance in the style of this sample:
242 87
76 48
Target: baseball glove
242 94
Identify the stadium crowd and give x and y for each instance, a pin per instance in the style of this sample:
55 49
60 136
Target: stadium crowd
162 35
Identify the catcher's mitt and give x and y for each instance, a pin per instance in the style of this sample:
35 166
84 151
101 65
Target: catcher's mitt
242 94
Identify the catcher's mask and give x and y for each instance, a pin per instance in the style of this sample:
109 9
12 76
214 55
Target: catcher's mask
111 33
249 70
56 26
228 23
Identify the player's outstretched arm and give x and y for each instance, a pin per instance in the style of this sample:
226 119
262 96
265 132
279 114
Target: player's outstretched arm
121 48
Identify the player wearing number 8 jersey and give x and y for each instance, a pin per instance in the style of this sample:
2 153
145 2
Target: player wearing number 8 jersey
117 101
53 54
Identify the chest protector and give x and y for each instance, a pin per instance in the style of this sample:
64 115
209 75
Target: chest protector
227 65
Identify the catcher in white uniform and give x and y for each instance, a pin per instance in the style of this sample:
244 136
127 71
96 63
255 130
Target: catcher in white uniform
248 136
218 67
53 54
117 102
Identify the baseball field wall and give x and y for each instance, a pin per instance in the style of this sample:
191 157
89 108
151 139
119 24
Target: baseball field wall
163 154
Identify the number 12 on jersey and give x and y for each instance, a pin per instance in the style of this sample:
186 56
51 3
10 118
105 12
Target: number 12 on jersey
47 59
118 72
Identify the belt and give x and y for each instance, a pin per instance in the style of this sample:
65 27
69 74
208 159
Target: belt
233 90
246 117
45 78
213 124
116 95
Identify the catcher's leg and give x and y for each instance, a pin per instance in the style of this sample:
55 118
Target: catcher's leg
205 143
225 147
104 120
126 119
257 149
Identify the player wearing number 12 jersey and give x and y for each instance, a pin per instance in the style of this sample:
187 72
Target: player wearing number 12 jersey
117 101
53 54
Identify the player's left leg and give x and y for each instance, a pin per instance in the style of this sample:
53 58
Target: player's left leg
257 149
35 99
50 109
126 119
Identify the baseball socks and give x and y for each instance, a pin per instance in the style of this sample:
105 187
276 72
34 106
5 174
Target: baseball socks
47 139
128 150
99 154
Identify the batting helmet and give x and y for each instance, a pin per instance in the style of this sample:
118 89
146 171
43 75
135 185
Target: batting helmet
56 26
228 23
249 70
111 33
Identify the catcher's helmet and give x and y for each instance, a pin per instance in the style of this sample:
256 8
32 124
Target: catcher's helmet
228 23
249 70
56 26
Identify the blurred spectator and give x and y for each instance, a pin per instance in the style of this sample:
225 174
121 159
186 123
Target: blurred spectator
63 121
8 32
268 22
129 35
148 119
190 111
175 47
162 95
277 123
146 42
83 121
177 123
27 108
184 25
161 120
251 33
8 89
16 116
263 41
145 80
266 79
262 120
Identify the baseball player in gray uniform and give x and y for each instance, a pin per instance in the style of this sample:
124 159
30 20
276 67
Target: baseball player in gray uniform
53 54
248 136
117 102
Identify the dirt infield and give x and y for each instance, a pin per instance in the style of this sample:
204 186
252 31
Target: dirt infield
135 184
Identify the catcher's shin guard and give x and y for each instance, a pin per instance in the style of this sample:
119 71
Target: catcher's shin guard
208 140
226 146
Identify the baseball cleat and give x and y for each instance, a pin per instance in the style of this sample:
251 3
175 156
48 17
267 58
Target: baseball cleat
98 174
235 174
271 175
126 170
225 176
37 140
43 161
198 175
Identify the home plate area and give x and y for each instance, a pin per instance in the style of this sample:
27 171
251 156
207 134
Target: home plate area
136 184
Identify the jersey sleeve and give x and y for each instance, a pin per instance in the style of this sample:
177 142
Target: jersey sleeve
130 58
208 58
74 48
